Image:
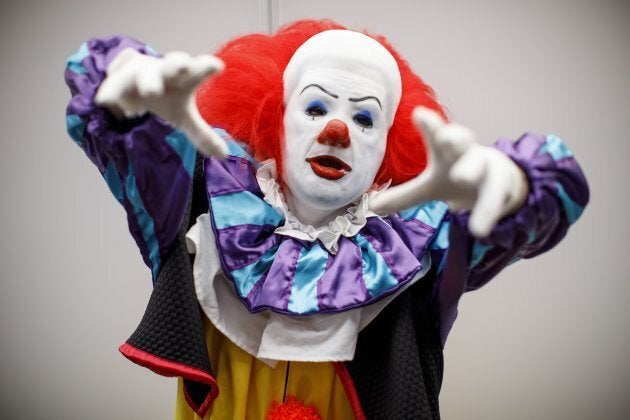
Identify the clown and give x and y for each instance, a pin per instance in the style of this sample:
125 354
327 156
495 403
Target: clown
329 255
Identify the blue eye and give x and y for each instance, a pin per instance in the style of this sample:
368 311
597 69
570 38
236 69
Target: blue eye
316 109
364 119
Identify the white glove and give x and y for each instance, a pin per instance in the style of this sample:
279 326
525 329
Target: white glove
138 83
462 172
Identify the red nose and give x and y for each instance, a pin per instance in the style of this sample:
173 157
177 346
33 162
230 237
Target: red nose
335 134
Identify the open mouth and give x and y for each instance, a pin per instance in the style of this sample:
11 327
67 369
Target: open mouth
328 167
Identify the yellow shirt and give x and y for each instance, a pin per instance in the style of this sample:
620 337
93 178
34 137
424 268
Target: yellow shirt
247 386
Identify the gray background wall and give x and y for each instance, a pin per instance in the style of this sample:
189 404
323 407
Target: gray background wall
548 339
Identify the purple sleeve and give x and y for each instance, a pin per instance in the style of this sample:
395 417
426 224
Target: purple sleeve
147 164
558 194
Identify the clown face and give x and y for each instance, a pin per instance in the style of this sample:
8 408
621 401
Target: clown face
342 89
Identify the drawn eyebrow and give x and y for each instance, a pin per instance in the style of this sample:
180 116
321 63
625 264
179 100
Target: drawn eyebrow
366 98
321 88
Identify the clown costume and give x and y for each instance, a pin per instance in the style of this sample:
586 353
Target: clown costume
309 217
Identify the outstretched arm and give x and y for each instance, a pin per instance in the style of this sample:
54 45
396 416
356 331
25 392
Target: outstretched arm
146 158
523 197
462 172
164 86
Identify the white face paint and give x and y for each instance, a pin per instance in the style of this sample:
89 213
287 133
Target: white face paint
352 80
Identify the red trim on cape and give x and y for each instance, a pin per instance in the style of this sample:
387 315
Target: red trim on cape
166 367
351 392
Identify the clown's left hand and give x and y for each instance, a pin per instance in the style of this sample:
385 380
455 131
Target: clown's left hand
462 172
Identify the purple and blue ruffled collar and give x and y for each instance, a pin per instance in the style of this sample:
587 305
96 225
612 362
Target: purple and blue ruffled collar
277 263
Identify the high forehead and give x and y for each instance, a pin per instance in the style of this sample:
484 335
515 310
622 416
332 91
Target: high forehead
343 82
351 55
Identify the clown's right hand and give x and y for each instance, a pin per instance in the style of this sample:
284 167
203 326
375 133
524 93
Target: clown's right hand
165 86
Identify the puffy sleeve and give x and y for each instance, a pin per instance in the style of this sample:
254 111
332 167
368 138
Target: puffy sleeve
558 194
146 163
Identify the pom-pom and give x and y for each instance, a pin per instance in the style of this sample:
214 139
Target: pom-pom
291 409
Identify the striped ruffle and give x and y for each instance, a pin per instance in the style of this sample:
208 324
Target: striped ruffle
297 276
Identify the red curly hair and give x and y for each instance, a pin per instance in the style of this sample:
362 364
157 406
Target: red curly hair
247 98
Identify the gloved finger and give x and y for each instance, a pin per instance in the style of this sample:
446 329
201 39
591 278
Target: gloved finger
115 87
122 59
205 65
428 122
490 205
469 168
202 135
452 141
175 65
149 82
403 196
182 71
197 69
131 106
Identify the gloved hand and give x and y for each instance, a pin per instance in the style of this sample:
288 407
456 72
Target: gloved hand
462 172
138 83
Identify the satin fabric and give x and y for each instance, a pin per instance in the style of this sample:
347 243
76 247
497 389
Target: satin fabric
247 387
297 276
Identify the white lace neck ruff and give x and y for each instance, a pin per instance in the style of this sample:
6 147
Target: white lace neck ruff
348 224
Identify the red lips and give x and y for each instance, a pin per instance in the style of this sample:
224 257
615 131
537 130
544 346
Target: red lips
328 167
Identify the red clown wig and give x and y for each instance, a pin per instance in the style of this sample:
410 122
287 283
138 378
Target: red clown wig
247 98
